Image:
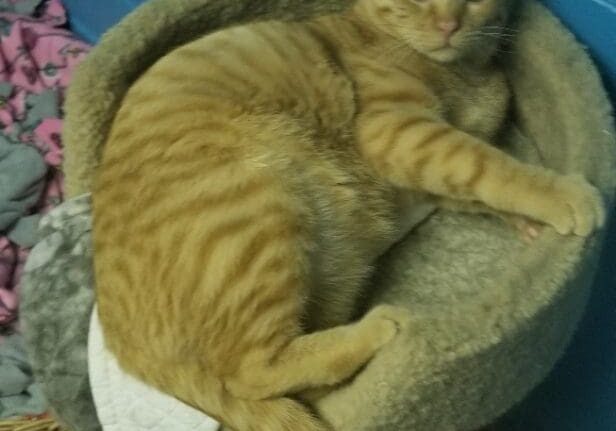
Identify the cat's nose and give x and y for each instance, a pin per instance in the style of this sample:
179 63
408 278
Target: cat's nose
448 26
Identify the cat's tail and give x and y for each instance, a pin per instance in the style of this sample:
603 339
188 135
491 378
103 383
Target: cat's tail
187 383
276 414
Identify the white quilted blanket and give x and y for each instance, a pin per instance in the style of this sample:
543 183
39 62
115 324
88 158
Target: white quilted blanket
123 403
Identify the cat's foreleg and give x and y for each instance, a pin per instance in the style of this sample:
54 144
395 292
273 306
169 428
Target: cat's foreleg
420 152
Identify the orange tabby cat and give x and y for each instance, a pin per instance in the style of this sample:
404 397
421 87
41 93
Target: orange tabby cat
252 177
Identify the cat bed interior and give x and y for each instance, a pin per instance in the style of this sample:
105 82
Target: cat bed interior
490 314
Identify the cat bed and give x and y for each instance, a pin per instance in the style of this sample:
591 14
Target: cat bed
490 314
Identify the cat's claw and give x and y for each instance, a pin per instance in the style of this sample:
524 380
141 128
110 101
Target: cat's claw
387 321
582 209
529 230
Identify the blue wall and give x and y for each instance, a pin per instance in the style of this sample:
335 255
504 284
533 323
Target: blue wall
580 394
594 22
91 18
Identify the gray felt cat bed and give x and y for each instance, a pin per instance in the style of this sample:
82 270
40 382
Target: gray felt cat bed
491 315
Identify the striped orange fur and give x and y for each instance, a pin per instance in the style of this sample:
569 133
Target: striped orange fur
252 178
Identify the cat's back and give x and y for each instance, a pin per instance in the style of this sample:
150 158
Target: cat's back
220 98
269 66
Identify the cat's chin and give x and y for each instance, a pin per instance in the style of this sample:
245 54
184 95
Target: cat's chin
446 54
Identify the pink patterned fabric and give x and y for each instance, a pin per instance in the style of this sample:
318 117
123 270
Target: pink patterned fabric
37 56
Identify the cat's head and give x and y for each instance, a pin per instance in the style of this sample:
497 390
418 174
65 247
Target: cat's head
444 30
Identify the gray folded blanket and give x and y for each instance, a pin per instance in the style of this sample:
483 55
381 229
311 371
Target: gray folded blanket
58 300
19 394
22 170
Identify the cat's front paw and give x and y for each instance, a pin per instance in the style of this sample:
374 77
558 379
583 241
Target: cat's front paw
574 206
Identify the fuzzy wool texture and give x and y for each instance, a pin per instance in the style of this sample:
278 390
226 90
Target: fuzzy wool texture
490 315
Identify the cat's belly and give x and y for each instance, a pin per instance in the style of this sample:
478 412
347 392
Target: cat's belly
349 245
356 222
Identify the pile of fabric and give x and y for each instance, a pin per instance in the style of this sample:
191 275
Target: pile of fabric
37 58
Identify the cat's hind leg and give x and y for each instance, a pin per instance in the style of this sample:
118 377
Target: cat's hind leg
322 358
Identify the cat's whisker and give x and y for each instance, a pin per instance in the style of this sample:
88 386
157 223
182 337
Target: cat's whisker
494 30
504 51
502 37
508 36
498 31
493 33
501 28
